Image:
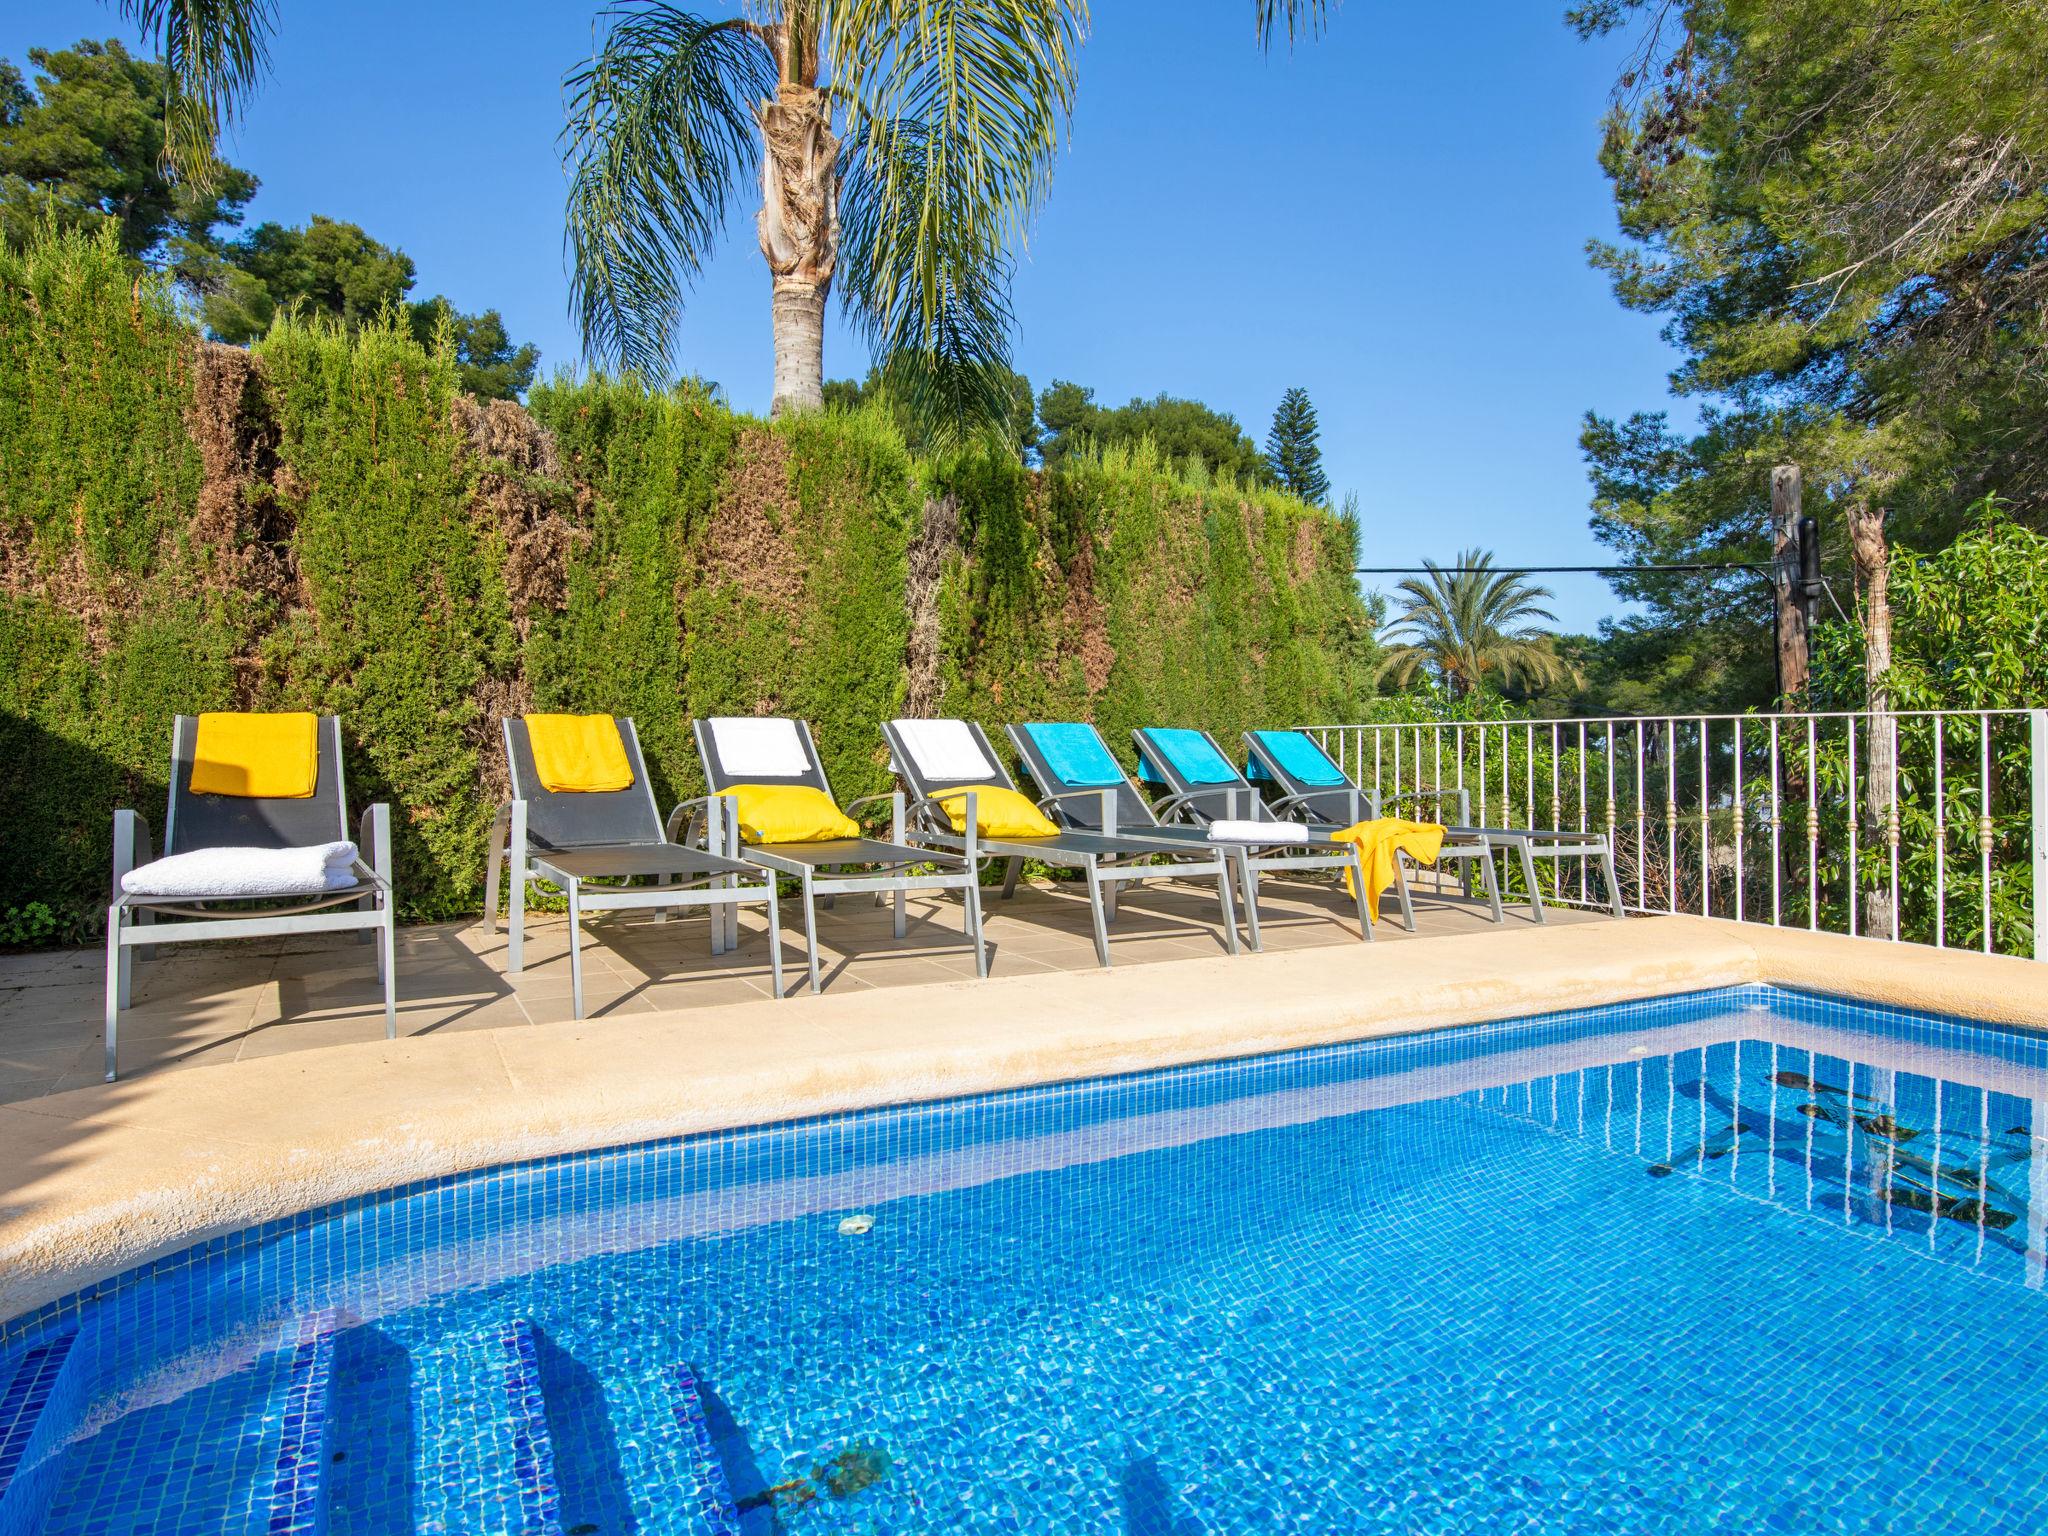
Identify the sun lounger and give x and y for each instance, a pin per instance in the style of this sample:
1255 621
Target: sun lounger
776 751
941 761
1087 788
341 885
1309 781
1205 790
593 846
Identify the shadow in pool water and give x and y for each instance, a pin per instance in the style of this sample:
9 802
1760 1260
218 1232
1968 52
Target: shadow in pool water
735 1453
587 1465
371 1437
1149 1505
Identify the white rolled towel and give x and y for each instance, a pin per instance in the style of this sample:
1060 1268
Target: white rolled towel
228 874
1257 832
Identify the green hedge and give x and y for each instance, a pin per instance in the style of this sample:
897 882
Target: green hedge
331 526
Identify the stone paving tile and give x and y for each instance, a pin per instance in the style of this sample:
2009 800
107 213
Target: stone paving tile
201 1004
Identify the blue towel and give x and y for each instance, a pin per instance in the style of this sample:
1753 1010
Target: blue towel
1301 759
1193 755
1075 755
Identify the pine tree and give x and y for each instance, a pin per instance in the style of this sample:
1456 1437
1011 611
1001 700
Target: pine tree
1291 450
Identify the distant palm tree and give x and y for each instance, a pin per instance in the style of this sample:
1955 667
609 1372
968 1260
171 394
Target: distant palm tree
1471 621
902 145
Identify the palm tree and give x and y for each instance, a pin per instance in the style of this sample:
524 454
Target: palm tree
216 51
903 146
910 140
1471 621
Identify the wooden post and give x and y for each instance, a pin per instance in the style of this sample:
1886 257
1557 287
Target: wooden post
1791 606
1880 761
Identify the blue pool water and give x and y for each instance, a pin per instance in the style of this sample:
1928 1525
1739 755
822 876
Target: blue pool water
1742 1261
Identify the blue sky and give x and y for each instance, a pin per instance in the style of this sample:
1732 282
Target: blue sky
1393 218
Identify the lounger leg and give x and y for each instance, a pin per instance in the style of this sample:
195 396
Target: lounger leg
1010 872
811 930
124 991
576 945
1607 869
1109 901
1229 910
902 922
387 968
1401 890
494 872
1250 878
1492 883
1529 874
774 936
115 986
515 871
973 905
1360 898
1096 912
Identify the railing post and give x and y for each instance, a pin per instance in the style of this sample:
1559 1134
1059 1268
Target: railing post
2038 770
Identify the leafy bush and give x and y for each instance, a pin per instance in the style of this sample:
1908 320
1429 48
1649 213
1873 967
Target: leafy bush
328 524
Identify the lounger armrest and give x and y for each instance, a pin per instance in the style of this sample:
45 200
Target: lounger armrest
708 810
1436 797
1173 807
896 808
1107 795
373 844
1362 804
132 846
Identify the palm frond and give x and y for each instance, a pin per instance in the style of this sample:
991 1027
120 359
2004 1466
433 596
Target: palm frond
217 52
661 134
1300 18
954 113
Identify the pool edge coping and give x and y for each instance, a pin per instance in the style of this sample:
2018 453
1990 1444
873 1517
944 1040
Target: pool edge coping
119 1176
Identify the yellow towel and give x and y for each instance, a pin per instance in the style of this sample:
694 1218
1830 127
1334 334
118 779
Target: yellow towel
788 813
256 757
1380 843
579 754
999 811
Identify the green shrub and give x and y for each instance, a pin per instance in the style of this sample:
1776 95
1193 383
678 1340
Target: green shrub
333 527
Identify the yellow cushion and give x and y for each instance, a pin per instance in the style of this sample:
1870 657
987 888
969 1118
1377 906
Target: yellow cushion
999 811
257 757
579 754
788 813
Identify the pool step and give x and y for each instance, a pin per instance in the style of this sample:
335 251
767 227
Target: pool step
716 1507
298 1490
533 1446
38 1401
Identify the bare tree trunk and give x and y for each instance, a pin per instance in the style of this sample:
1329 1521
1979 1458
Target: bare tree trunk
799 222
1791 626
1873 576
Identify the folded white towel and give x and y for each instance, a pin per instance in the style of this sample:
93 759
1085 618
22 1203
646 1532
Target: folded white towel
229 874
1257 832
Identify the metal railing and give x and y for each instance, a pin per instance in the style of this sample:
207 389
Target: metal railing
1918 826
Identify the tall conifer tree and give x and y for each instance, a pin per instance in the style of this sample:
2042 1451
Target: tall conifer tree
1291 449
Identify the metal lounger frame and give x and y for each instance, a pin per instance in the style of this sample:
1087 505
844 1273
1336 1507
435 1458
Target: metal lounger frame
206 820
1105 861
1121 805
1529 843
1198 804
620 822
1467 845
893 862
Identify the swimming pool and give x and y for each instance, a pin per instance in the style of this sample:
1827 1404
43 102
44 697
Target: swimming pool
1743 1260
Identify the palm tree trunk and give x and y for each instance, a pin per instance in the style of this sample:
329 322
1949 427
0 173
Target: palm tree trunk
799 223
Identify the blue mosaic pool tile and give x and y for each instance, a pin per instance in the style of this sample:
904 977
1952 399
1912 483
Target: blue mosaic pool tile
533 1457
38 1404
298 1499
1451 1281
716 1510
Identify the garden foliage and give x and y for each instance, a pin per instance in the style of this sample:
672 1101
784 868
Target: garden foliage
328 523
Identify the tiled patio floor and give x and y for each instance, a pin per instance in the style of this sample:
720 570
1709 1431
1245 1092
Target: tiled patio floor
199 1005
